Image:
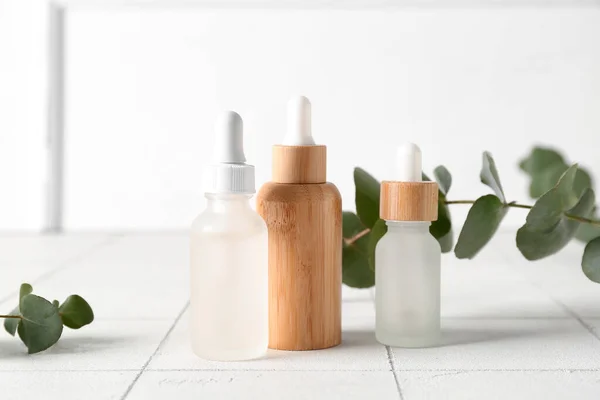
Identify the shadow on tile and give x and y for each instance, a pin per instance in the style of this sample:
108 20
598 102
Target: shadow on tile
464 336
70 345
87 344
358 338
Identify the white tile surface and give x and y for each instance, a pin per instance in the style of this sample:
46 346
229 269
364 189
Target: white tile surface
507 324
359 351
498 344
111 345
493 385
226 385
60 385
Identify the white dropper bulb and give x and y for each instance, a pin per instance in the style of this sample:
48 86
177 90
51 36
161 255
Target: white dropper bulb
408 163
299 131
229 145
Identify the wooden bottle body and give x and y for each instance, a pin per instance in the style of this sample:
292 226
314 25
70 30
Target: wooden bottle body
304 222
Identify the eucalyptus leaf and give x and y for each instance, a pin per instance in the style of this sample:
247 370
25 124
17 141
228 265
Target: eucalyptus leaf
10 324
355 264
545 180
75 312
590 263
446 242
443 178
379 229
481 224
351 225
442 228
40 326
540 159
489 176
24 290
355 258
366 197
588 232
549 208
538 238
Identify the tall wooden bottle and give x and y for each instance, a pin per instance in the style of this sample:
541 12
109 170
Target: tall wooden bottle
303 213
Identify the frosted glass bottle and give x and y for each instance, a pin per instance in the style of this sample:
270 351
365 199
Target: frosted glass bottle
229 257
229 280
407 278
408 258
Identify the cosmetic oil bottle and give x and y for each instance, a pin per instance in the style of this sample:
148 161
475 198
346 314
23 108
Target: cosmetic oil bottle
303 213
407 258
229 259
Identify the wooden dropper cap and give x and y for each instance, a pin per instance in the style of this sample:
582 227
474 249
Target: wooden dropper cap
409 199
299 159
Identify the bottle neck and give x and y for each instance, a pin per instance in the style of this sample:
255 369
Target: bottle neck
416 226
226 203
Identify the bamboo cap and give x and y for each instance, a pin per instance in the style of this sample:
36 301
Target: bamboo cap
299 164
408 201
299 159
408 198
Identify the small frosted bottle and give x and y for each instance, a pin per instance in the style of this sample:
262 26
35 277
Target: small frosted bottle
407 258
229 257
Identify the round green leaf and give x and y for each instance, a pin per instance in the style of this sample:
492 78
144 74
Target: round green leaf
366 197
540 160
539 238
590 263
587 232
446 242
443 178
549 209
442 228
40 326
351 225
489 176
355 264
10 324
379 229
75 312
481 224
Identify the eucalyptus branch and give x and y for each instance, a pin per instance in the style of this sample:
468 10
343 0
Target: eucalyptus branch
349 241
40 322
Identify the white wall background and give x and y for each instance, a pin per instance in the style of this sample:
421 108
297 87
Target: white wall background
145 83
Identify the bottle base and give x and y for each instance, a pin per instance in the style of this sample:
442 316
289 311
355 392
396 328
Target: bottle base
421 341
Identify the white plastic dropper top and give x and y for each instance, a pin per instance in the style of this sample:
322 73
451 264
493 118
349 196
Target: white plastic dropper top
299 131
229 172
229 144
408 163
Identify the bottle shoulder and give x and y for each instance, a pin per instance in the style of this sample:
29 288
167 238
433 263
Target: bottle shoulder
397 239
249 221
294 192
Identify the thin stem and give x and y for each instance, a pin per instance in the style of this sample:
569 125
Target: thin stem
10 316
459 202
513 204
582 219
354 238
517 205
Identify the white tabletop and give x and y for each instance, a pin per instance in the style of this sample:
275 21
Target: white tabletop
512 329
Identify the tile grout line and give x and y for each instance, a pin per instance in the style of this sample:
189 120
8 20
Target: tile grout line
164 339
390 357
66 264
559 303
